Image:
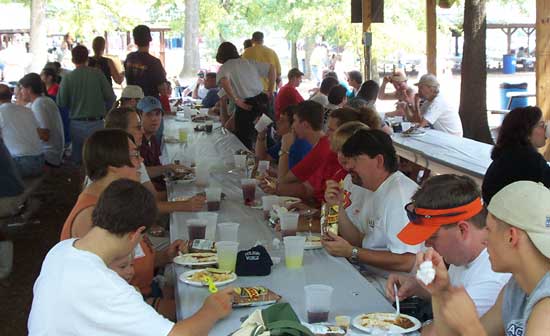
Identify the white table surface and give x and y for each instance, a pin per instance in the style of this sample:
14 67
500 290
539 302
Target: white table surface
352 295
445 153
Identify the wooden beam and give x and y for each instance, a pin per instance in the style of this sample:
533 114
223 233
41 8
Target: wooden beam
543 60
162 50
431 36
366 15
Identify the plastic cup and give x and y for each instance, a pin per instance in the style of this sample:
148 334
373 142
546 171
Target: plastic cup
213 198
240 161
318 300
211 219
263 167
228 232
249 191
227 255
209 126
202 172
182 132
267 204
294 251
262 123
196 228
343 322
289 223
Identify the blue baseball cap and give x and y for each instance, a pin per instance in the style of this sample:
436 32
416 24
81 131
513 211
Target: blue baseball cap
148 104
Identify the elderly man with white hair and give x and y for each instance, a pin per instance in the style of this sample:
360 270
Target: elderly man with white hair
434 110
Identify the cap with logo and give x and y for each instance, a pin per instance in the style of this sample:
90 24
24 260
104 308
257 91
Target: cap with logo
526 206
148 104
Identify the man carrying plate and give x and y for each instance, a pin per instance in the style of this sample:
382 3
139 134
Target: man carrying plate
447 214
518 226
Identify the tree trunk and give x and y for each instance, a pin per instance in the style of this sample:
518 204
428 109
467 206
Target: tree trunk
473 87
293 55
309 45
38 38
191 58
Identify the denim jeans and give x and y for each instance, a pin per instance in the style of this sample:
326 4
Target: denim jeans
29 166
10 180
80 131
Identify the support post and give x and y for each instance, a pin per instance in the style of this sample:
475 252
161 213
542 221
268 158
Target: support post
431 36
543 61
366 15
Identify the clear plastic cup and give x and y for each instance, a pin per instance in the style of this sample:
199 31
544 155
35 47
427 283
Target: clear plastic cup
318 301
202 172
213 198
267 204
211 219
262 123
228 232
240 161
196 228
289 223
227 255
294 251
249 191
263 167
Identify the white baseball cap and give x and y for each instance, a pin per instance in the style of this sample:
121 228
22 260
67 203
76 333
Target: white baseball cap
429 80
132 91
525 205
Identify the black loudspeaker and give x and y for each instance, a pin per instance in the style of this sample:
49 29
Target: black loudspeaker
377 11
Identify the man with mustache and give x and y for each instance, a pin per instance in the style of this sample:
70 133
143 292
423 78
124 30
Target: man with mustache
371 160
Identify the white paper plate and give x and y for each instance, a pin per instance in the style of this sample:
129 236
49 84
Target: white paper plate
186 260
184 278
356 322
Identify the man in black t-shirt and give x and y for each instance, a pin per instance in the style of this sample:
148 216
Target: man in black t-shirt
143 69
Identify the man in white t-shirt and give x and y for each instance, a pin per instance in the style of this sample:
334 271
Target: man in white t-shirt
77 294
448 215
435 110
371 160
49 118
19 129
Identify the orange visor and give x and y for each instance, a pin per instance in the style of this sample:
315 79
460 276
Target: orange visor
425 222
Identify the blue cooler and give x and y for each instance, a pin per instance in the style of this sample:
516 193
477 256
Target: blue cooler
509 87
509 64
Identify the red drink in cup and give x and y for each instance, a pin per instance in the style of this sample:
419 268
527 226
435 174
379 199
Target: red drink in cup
196 229
249 191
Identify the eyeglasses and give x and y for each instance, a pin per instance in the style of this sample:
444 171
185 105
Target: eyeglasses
417 218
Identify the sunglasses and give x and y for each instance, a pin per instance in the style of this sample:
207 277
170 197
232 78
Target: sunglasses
417 218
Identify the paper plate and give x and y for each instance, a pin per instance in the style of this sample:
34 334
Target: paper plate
191 259
382 317
184 277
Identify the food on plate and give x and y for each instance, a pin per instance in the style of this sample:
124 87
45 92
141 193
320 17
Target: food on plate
385 321
426 272
217 275
253 296
200 257
200 118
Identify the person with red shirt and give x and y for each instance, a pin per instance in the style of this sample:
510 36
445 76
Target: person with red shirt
321 164
288 95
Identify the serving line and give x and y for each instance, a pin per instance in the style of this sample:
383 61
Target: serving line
352 295
445 153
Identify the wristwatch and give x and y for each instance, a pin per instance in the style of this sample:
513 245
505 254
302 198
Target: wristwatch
283 151
354 254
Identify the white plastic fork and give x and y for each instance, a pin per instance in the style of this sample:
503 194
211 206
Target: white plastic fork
397 310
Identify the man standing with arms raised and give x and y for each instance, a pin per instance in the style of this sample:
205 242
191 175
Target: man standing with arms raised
142 68
85 91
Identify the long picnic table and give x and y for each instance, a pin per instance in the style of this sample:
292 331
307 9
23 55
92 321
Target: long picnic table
352 295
